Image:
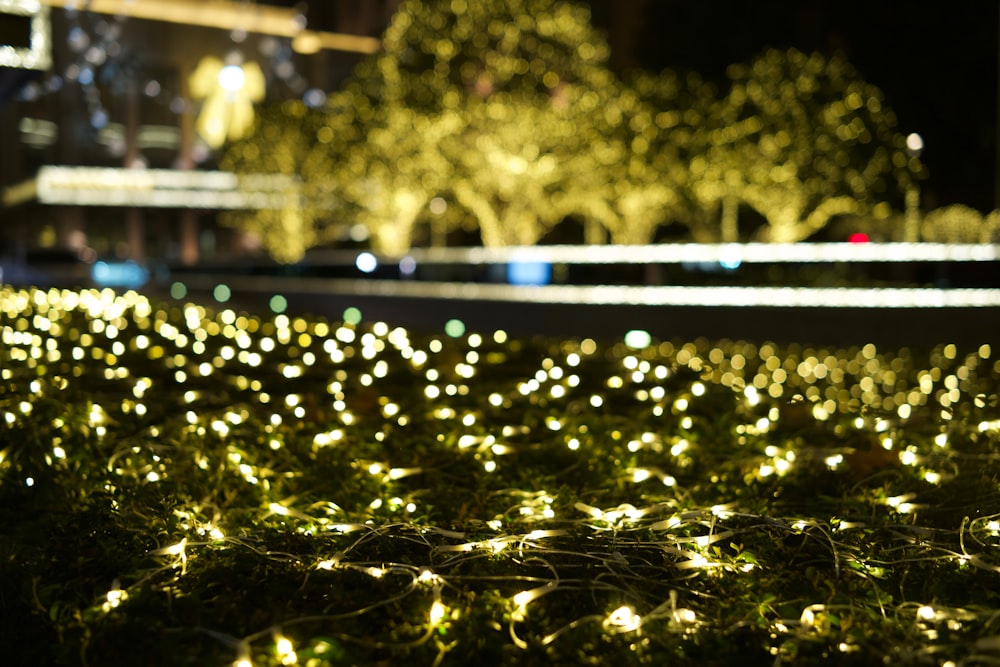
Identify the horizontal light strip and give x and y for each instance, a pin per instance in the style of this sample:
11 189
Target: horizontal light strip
160 188
730 254
777 297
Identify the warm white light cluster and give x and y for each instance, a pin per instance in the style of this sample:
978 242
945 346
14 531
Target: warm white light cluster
675 390
728 254
107 186
653 295
39 54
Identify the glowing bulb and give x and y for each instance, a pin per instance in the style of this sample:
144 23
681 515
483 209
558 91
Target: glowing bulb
231 78
685 616
624 619
366 262
641 475
176 549
114 598
286 651
437 612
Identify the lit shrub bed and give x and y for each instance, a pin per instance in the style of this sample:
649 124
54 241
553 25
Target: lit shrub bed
181 486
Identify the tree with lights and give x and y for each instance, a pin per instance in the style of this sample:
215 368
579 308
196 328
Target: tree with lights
501 116
800 139
278 145
504 109
958 223
667 134
511 103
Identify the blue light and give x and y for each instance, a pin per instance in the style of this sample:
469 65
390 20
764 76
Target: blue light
730 257
529 273
119 274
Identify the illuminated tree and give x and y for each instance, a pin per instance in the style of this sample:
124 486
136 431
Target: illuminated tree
667 132
800 139
960 224
388 178
280 141
503 108
511 103
501 116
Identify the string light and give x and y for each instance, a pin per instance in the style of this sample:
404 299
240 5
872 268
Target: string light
366 514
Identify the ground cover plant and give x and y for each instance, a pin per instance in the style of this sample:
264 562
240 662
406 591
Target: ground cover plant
186 486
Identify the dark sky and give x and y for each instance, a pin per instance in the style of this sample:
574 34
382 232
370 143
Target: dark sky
936 63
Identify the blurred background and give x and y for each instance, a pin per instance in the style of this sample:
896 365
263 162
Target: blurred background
112 173
116 92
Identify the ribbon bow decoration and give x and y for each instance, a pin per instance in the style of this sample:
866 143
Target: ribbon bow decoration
229 92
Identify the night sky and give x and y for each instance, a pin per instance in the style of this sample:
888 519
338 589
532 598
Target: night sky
936 63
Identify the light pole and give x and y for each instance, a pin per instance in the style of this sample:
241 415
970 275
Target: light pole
911 231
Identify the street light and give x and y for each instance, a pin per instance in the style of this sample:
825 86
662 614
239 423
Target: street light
911 234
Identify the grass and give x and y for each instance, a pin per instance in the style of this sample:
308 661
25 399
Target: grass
182 486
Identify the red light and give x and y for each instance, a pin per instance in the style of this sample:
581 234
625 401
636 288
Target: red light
858 237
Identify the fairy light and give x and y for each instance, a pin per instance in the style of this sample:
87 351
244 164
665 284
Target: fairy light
623 619
285 650
437 613
114 597
522 599
178 550
640 475
825 391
